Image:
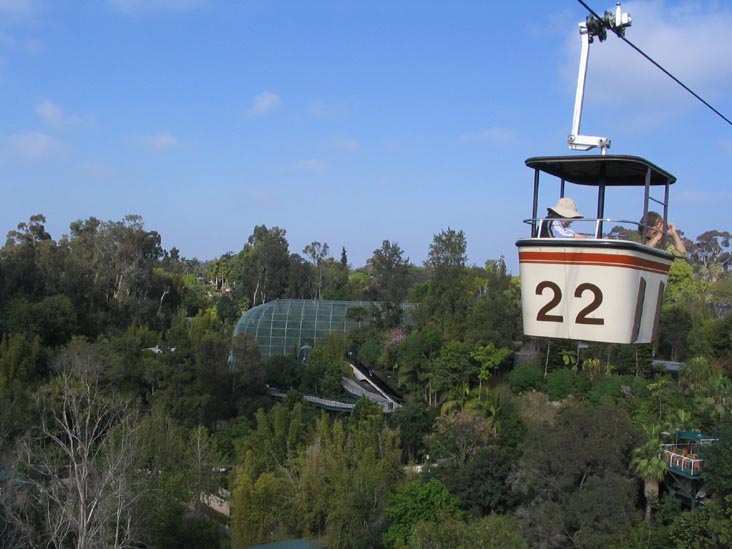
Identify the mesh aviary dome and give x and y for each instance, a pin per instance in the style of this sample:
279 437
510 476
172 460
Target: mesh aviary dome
286 324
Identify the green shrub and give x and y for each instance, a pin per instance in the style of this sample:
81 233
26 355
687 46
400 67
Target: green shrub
559 383
525 377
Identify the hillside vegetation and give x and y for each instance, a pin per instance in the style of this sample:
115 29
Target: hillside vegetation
125 401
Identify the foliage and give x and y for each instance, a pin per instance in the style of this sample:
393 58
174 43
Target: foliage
644 535
256 506
648 465
391 280
325 367
445 303
458 436
482 485
559 383
414 422
490 532
573 476
82 459
710 526
718 457
158 339
489 358
413 502
712 254
525 377
583 442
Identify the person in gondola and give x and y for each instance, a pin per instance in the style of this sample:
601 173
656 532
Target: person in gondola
655 237
560 217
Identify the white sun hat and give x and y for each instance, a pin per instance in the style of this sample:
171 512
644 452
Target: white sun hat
566 207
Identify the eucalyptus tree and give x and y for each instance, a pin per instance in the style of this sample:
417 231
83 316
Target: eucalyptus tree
712 254
446 301
261 269
391 280
20 274
573 476
85 480
317 253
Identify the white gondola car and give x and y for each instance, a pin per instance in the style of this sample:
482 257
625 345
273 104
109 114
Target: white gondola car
598 288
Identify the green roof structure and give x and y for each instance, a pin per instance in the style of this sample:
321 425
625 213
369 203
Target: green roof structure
282 325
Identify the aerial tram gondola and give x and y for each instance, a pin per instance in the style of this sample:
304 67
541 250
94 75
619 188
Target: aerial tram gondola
598 288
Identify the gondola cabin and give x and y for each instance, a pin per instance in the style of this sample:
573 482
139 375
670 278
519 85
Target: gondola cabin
599 288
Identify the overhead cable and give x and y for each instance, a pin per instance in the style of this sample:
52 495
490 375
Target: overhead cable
636 48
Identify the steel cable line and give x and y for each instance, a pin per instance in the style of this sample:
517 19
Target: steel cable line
636 48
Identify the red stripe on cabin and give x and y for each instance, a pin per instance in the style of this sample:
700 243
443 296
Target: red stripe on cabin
594 259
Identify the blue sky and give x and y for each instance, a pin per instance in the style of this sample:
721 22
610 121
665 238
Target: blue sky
346 121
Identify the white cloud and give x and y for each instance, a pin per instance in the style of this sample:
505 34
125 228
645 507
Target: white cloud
696 197
497 136
344 144
323 109
54 117
34 145
262 196
690 40
264 103
311 165
19 8
97 170
156 142
394 146
136 7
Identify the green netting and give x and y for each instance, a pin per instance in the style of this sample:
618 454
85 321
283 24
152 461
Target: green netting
284 325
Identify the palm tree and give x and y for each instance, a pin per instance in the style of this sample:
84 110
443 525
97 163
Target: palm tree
648 465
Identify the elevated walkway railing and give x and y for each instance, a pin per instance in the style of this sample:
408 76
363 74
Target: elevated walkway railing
363 374
337 405
680 460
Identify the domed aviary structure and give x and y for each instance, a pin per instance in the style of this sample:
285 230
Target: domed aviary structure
286 324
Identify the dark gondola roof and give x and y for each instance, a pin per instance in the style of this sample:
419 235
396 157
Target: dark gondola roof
610 170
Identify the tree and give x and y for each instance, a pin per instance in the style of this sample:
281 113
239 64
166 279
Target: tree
488 358
649 467
261 269
573 475
21 275
19 360
414 502
459 435
710 526
446 302
482 485
390 272
318 254
489 532
247 366
454 370
676 324
325 366
447 252
414 421
584 442
718 456
416 356
495 311
256 508
82 459
712 253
